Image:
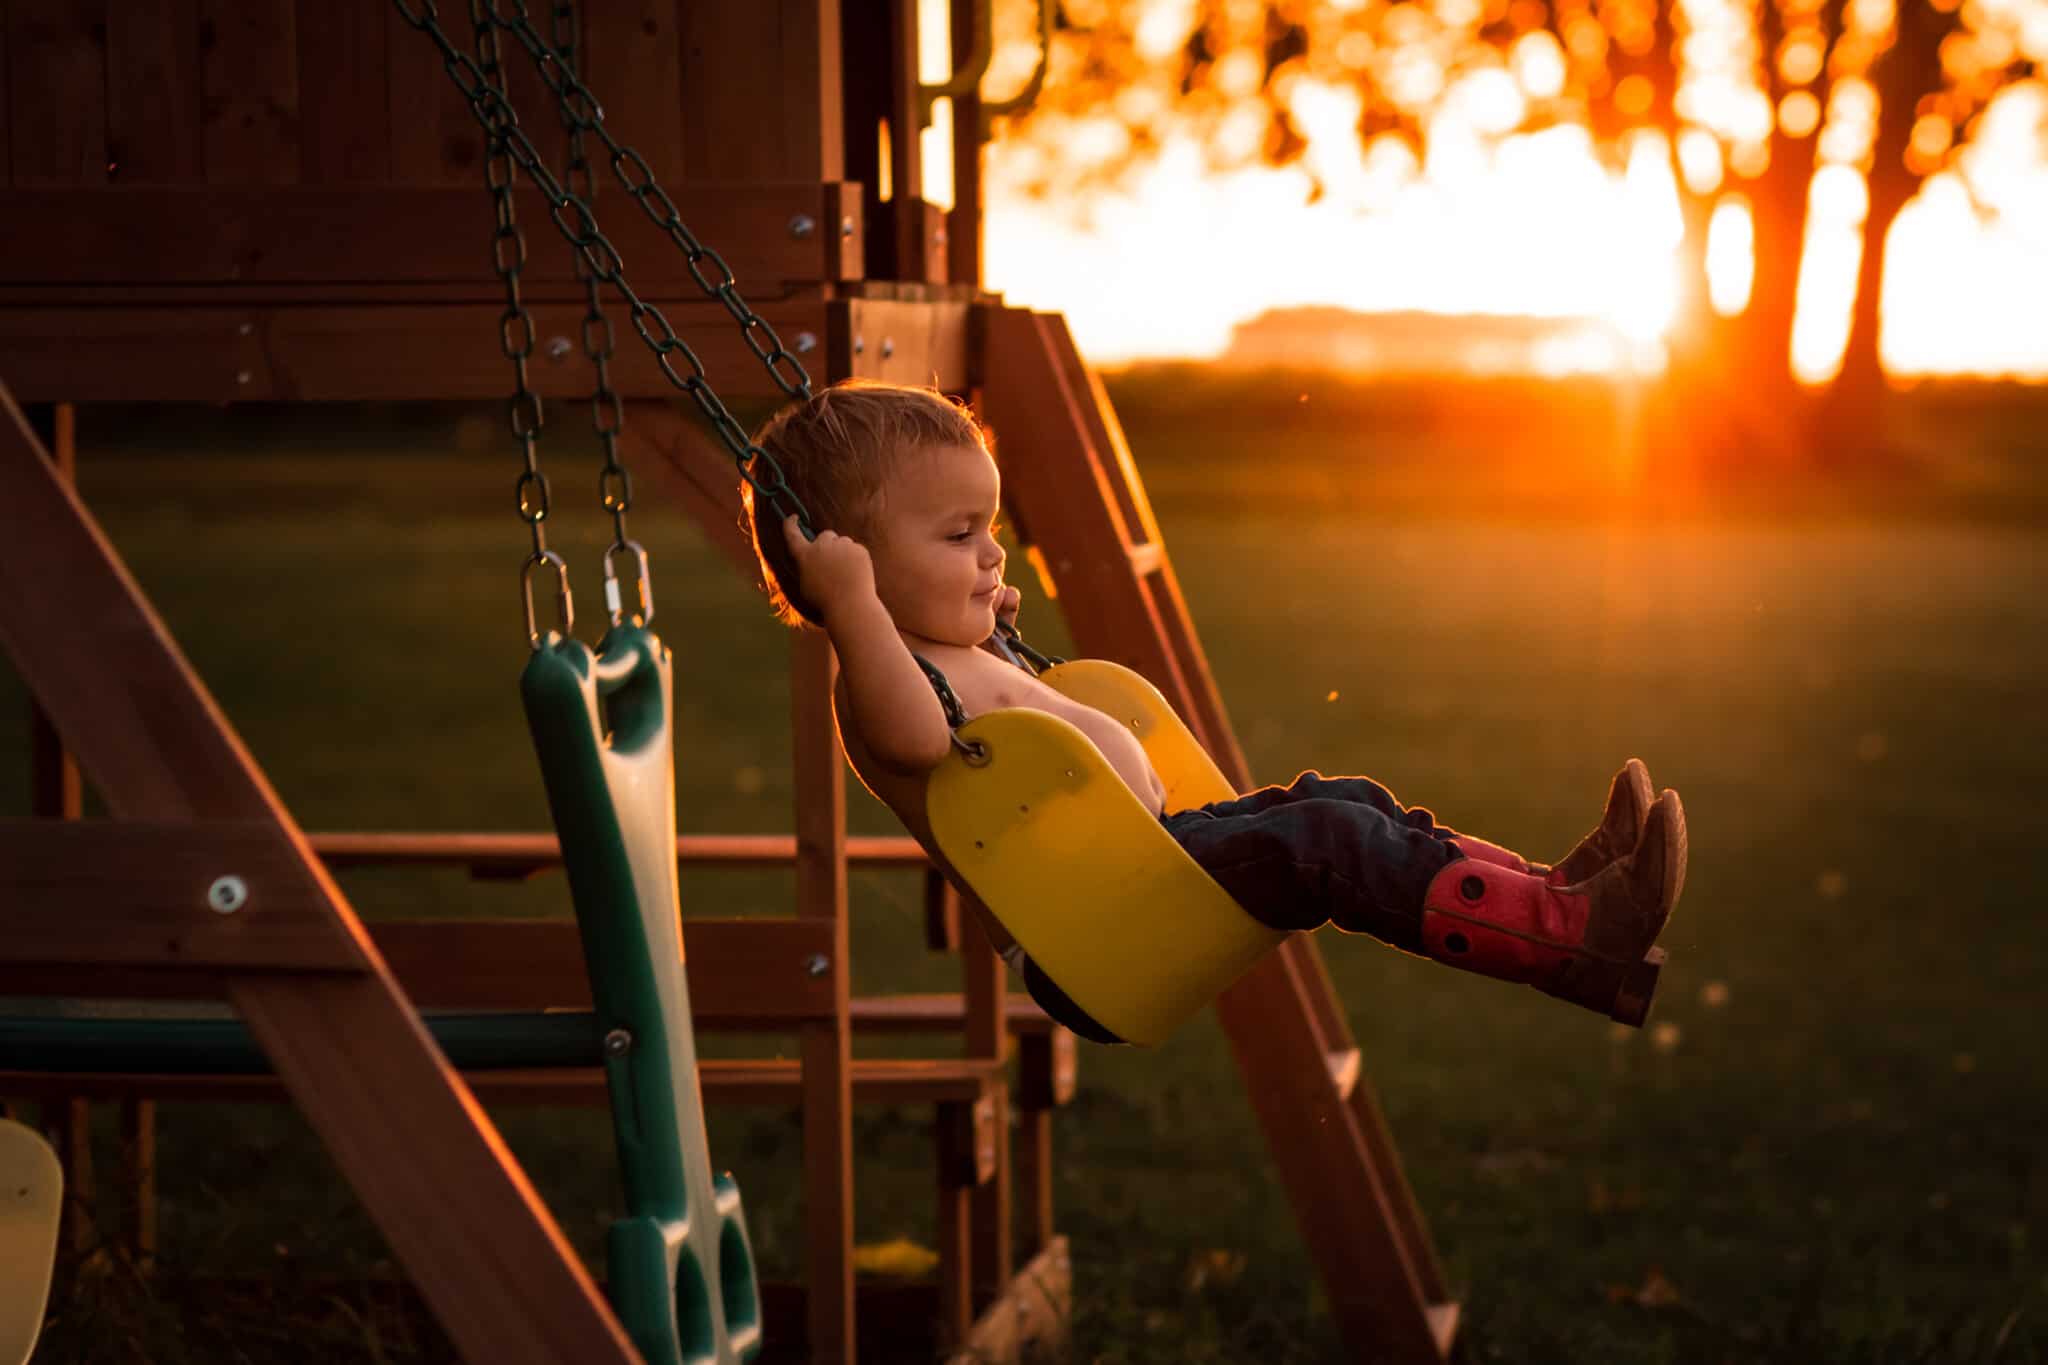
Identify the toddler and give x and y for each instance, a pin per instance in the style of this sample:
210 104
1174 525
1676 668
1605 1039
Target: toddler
910 574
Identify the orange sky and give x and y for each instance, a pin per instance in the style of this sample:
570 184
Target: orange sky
1523 224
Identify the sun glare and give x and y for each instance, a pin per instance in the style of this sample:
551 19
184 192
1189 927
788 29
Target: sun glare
1200 236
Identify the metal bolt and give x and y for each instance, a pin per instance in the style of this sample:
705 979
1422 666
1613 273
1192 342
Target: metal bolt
618 1043
888 347
806 342
227 894
558 348
243 376
246 329
860 345
803 225
846 226
817 964
939 236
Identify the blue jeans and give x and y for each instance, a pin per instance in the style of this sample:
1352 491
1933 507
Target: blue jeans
1324 850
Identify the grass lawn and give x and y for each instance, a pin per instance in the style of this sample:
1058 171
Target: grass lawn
1824 1149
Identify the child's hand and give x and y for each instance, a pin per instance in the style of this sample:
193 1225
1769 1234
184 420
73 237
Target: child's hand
1007 602
836 572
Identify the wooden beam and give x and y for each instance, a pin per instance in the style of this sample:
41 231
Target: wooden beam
214 894
902 341
317 353
772 235
764 1082
445 1191
820 784
501 855
743 973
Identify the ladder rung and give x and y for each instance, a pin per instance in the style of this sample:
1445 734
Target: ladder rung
1146 558
1344 1066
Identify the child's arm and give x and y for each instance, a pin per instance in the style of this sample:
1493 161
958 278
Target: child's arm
898 717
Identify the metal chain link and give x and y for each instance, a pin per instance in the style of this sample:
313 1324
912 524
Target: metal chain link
573 218
525 411
607 412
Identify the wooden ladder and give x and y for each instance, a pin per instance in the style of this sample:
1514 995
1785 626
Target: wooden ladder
1074 496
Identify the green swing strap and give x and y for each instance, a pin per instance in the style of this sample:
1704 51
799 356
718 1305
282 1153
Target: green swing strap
681 1268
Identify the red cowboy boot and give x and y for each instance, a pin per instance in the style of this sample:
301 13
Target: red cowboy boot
1590 943
1628 801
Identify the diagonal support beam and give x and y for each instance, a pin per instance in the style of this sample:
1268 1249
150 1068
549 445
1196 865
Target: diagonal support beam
1074 491
404 1129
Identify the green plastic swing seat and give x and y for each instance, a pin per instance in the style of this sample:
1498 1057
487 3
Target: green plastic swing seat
681 1268
1100 897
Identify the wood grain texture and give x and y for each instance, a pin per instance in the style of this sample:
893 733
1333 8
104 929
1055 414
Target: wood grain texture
344 94
136 892
56 91
332 233
632 61
249 73
819 776
154 94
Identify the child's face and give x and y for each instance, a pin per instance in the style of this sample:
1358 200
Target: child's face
938 568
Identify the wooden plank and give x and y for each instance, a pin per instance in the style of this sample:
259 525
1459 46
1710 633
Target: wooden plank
435 139
249 71
154 94
743 973
632 61
763 1083
319 354
344 94
500 855
210 895
731 53
448 1197
328 234
820 784
56 91
138 1176
901 342
964 222
984 986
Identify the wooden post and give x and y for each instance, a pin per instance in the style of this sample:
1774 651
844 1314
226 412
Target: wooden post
56 792
963 228
820 786
987 1034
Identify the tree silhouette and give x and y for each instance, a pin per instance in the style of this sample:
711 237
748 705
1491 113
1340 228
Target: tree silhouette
1761 103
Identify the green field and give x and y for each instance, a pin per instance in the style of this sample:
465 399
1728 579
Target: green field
1824 1150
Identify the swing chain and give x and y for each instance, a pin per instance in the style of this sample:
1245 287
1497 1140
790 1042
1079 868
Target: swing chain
525 412
607 412
975 752
575 221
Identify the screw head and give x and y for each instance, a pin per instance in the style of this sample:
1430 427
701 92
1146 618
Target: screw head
246 329
817 964
860 345
243 376
888 347
618 1043
558 348
227 894
846 226
806 342
803 225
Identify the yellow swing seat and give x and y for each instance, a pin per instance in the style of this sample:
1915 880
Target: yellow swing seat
1086 879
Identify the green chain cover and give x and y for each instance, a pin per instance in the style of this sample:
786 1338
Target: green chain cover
681 1268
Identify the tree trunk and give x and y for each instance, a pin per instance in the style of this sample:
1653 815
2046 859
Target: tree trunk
1850 424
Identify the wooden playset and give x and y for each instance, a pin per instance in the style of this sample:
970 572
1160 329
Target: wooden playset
281 201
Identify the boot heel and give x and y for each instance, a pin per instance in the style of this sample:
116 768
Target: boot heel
1638 987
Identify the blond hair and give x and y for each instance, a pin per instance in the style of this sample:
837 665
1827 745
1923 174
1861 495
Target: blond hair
836 451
